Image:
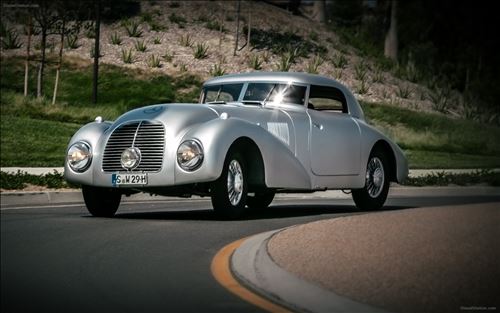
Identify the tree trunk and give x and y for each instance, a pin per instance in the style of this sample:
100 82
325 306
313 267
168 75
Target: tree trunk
41 67
249 24
221 29
319 11
58 70
27 63
391 38
97 52
237 27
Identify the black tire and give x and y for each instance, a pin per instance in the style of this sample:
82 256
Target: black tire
261 200
373 195
230 204
101 202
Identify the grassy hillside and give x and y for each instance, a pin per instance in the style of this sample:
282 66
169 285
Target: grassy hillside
35 133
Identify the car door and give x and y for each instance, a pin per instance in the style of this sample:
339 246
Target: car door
334 137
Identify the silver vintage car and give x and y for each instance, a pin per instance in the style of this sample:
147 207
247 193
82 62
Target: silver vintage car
250 136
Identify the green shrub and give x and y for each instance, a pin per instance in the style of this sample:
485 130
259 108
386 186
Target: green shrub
363 87
255 62
378 75
11 40
361 71
286 61
72 41
140 46
214 25
20 180
339 60
177 19
314 64
128 56
168 56
280 43
132 28
183 68
115 39
154 61
185 40
146 17
440 99
200 51
404 91
217 70
461 179
89 30
156 26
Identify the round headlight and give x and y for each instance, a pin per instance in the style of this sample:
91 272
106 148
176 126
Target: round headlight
79 156
190 155
130 158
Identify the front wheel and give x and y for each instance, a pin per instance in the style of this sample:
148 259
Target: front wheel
229 192
261 199
374 194
101 202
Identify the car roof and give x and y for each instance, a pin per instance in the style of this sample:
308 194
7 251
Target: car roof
295 77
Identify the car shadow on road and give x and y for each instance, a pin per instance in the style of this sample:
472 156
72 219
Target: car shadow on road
273 212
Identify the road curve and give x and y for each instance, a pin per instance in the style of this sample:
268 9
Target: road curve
152 257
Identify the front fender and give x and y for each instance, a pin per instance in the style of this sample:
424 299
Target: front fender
282 169
90 133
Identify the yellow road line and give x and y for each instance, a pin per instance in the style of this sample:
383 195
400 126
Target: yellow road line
221 270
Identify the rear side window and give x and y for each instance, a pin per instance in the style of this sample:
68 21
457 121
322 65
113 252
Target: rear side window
323 98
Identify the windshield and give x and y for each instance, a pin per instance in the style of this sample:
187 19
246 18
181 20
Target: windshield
221 93
273 92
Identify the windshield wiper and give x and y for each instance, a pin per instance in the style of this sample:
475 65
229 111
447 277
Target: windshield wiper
268 95
216 102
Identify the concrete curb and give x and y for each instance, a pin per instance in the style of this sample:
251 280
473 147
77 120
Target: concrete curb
254 267
9 198
412 173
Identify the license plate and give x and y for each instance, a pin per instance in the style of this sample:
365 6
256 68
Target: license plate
129 179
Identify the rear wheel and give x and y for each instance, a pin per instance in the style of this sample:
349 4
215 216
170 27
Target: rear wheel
229 192
101 202
374 194
260 200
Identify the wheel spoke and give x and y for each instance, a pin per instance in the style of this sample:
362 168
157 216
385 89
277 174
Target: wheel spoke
375 177
235 182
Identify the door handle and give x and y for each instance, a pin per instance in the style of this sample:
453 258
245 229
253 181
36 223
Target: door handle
318 126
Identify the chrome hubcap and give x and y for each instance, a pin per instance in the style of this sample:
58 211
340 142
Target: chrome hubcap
375 177
235 182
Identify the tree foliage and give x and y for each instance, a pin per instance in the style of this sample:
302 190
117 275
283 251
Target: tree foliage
453 43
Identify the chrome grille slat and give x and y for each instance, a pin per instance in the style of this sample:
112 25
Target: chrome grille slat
149 137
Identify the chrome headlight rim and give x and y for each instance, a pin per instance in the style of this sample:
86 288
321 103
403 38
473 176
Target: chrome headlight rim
87 161
198 155
131 163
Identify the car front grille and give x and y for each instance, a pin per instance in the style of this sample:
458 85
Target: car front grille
149 137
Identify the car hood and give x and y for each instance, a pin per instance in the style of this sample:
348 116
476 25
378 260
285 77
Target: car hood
175 116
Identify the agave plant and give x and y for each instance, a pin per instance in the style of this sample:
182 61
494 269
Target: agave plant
128 56
154 61
200 51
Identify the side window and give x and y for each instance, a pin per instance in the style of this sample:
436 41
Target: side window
324 98
226 93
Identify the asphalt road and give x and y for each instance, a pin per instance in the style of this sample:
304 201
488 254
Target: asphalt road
152 257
